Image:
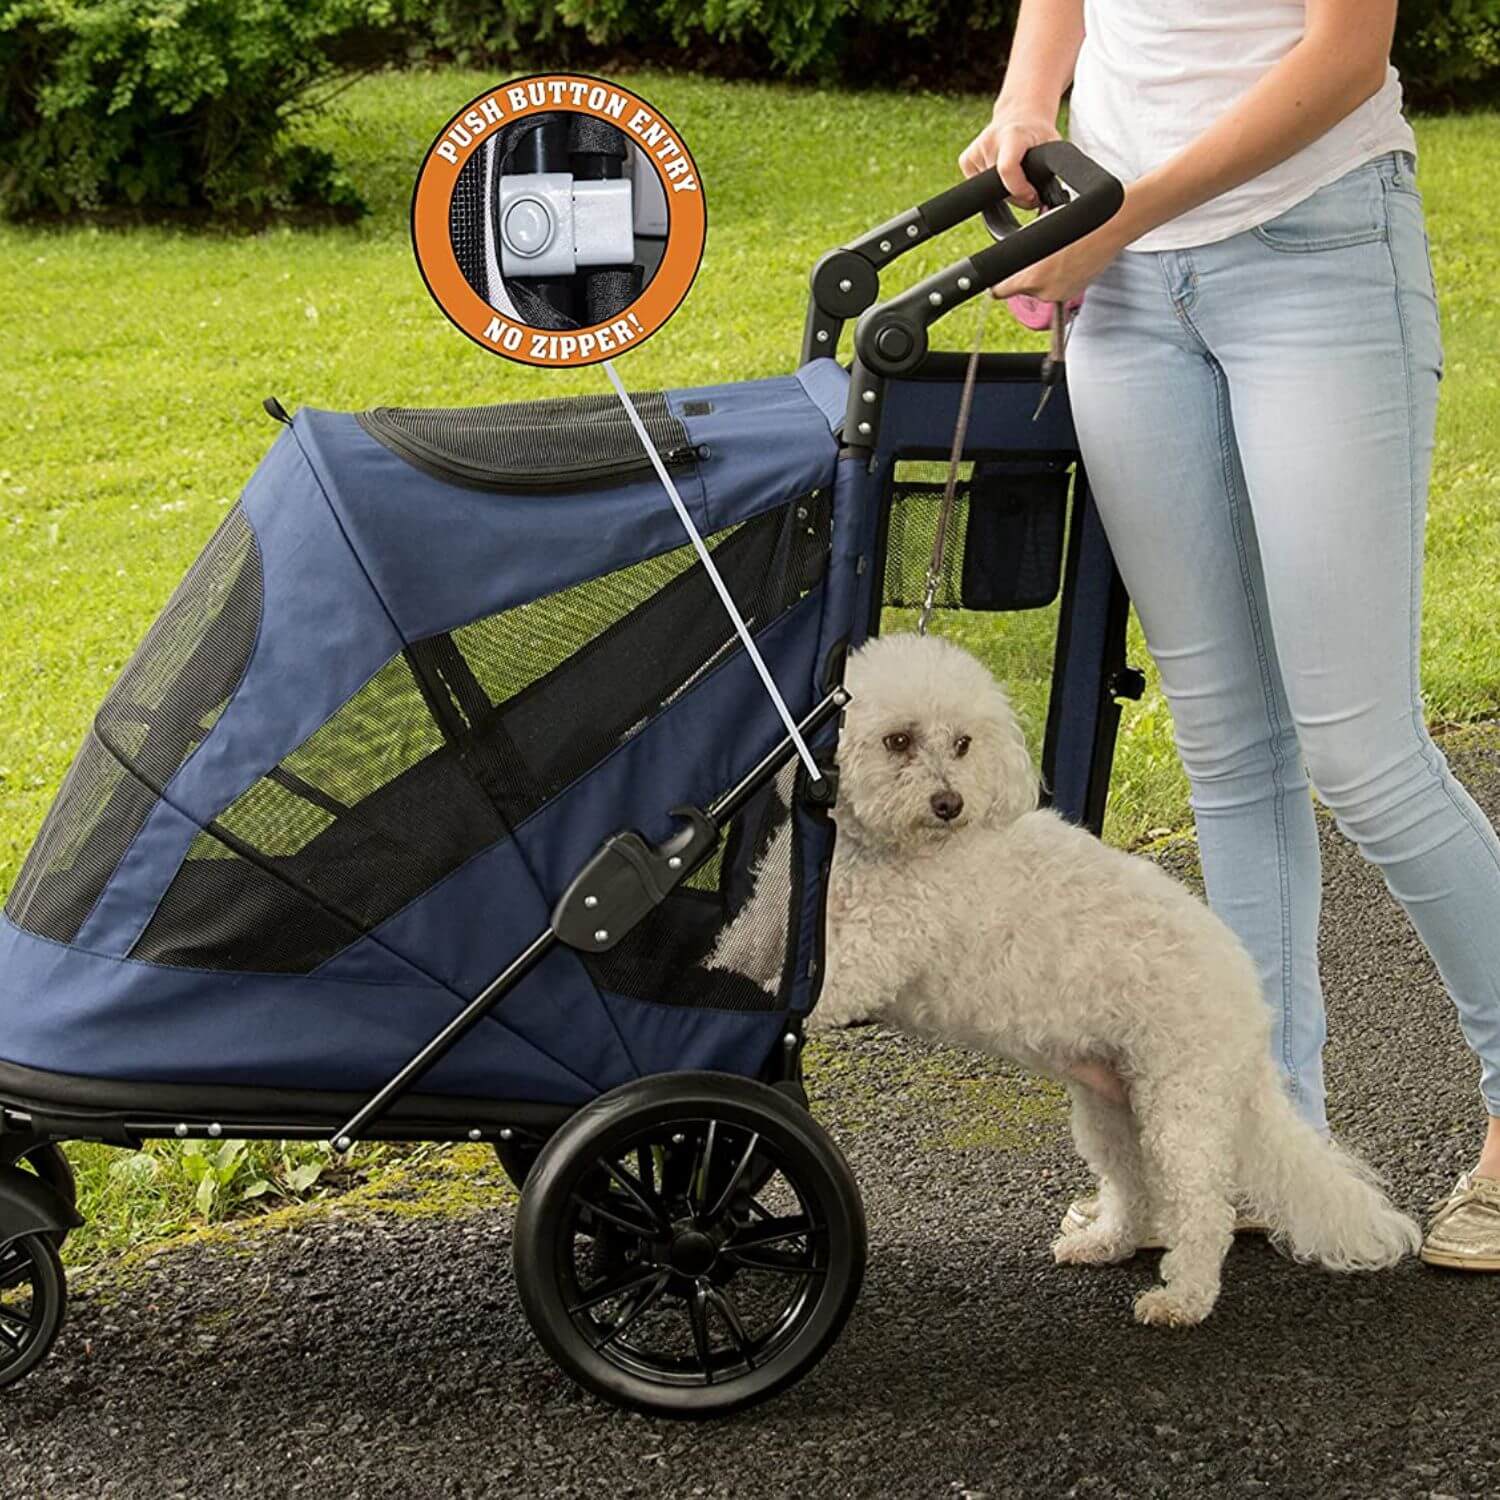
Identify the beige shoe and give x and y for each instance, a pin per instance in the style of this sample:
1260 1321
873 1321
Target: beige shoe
1083 1211
1464 1234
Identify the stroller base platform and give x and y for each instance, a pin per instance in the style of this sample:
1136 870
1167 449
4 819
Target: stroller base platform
115 1110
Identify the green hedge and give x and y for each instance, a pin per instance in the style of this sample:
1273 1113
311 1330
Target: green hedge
174 106
184 107
1448 51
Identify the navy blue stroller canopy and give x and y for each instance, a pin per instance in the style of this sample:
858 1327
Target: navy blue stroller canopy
428 662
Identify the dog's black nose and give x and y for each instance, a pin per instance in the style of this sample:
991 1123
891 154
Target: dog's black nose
947 805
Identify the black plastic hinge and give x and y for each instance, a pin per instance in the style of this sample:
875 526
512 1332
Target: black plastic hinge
275 409
822 793
627 879
1128 682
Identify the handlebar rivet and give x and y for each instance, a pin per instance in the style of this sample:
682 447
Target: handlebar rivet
601 935
868 398
822 335
675 862
964 283
476 1134
912 231
591 902
936 298
846 285
864 429
885 245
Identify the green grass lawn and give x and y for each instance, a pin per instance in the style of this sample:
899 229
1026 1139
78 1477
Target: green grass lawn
134 365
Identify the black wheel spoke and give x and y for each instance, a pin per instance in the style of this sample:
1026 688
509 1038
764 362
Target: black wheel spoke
9 1339
646 1167
735 1177
705 1166
769 1260
616 1286
643 1304
697 1306
10 1314
635 1192
729 1311
771 1231
611 1216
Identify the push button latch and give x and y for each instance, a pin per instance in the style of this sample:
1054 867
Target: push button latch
551 223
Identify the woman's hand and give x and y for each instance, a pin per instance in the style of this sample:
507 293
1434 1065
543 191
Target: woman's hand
1061 277
1001 145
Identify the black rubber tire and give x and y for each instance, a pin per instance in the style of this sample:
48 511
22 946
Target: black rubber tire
813 1166
42 1266
51 1164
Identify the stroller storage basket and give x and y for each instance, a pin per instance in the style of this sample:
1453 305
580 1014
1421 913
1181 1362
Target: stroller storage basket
1005 538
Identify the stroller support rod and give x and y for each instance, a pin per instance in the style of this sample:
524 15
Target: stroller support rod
725 807
447 1038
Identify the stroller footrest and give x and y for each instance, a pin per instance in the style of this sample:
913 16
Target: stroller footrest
627 879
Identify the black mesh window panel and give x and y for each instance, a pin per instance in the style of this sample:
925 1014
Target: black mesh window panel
164 703
458 740
1005 535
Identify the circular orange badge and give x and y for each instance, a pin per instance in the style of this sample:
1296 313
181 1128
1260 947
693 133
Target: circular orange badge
558 219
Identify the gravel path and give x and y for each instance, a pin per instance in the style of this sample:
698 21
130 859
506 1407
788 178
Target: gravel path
389 1357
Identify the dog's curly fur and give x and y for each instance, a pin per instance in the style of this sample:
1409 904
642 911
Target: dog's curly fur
1007 929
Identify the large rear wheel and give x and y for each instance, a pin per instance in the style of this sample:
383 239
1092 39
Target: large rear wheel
690 1244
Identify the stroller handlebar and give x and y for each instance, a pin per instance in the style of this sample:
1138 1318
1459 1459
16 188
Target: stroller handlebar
846 281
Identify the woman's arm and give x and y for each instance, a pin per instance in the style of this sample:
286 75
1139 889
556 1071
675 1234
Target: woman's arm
1042 54
1340 62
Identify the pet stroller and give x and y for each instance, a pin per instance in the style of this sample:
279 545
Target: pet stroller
420 808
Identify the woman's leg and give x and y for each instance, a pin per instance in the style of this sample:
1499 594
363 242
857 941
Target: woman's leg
1326 326
1153 421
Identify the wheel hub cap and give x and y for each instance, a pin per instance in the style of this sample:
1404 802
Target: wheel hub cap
692 1253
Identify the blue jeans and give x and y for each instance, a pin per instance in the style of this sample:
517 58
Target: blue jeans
1257 420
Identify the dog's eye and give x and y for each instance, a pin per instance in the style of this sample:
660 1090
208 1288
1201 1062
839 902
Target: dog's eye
961 746
898 743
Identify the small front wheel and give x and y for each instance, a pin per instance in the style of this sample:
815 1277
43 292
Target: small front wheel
690 1244
33 1301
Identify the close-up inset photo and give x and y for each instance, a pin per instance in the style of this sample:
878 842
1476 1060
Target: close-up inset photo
558 220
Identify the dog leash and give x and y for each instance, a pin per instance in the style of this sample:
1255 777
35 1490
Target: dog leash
950 484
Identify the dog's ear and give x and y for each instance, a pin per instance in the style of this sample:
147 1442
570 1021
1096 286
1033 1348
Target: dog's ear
1017 787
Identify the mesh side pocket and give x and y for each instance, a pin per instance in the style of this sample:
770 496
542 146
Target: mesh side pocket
163 705
723 941
558 443
1005 538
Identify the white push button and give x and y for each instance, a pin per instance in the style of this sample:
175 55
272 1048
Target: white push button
528 228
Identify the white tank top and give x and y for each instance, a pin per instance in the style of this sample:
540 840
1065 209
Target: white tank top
1153 74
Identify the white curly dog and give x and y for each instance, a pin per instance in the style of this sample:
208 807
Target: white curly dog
960 911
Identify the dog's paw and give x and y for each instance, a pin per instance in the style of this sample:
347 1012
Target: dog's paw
1162 1307
1097 1245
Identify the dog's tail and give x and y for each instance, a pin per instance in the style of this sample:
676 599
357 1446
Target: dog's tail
1322 1203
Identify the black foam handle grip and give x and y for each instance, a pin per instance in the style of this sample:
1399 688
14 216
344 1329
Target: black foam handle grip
971 196
1094 197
